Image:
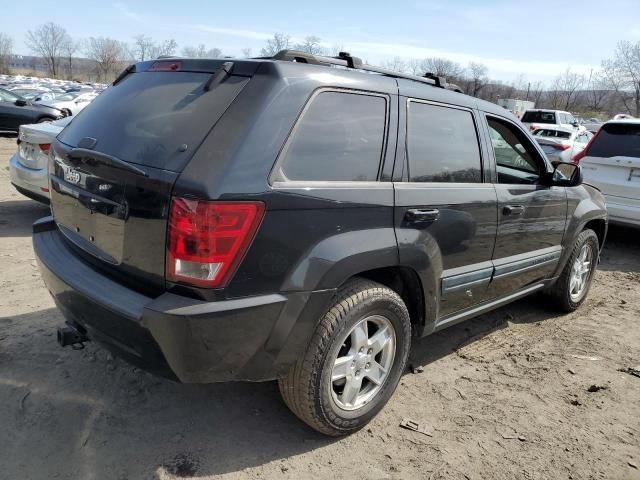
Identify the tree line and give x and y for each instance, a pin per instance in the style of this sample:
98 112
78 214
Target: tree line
610 89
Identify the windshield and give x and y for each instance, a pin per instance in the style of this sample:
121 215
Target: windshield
617 140
539 117
7 96
67 97
549 133
156 119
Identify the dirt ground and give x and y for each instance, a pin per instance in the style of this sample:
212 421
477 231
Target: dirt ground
503 396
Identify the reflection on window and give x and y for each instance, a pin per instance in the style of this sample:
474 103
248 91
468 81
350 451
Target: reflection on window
339 138
515 163
442 145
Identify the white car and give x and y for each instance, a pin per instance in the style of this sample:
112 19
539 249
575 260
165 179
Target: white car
537 118
28 167
611 162
561 144
71 103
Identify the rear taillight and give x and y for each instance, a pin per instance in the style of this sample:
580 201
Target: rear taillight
45 147
207 240
580 155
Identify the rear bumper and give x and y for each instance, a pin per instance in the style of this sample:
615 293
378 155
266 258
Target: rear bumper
623 211
30 182
255 338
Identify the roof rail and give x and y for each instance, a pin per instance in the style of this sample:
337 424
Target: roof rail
344 59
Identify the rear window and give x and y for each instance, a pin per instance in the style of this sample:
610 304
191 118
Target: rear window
543 132
157 119
616 140
339 137
539 117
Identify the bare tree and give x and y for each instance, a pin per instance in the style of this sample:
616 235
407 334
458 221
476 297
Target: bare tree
108 55
69 48
395 65
536 91
623 73
6 49
201 51
336 49
280 41
47 41
569 84
414 67
142 46
311 44
246 53
163 49
597 90
442 67
478 78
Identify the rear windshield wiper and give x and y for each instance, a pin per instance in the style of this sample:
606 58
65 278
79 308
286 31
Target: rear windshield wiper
82 153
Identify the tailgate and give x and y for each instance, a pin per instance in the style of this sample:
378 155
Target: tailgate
117 219
114 167
615 176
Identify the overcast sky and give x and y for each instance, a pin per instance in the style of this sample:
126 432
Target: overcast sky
538 39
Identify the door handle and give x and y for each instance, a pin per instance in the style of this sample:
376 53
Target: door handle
420 215
513 210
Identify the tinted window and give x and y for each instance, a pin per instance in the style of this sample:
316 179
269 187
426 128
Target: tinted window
617 139
515 154
149 117
339 138
442 145
545 132
532 116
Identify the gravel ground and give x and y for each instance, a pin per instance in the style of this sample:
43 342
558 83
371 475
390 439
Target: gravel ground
503 396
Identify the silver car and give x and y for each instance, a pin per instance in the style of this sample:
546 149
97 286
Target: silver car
561 144
28 166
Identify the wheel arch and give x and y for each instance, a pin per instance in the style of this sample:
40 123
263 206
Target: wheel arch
406 283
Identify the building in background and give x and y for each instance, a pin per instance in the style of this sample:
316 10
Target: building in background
517 107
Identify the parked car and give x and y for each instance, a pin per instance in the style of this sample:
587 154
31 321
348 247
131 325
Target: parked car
71 103
33 95
16 111
534 119
263 219
28 167
561 144
592 125
612 163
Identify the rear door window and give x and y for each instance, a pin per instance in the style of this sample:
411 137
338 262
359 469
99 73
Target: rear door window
339 137
442 144
539 117
617 140
157 119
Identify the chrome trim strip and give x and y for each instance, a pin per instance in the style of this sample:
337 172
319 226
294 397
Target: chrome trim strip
465 280
526 264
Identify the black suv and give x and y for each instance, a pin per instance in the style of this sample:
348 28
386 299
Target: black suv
300 218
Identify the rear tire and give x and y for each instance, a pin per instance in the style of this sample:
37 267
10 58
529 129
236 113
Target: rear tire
573 285
354 361
45 119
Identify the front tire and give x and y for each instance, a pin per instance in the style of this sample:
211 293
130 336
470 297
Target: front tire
354 361
574 282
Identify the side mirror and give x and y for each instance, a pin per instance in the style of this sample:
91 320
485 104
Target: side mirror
21 102
567 174
575 124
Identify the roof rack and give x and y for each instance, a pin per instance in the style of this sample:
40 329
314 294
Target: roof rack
345 59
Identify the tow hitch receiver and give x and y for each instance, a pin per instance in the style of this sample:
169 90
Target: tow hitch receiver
70 335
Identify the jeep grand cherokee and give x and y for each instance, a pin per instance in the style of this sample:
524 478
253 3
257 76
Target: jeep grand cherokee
300 218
